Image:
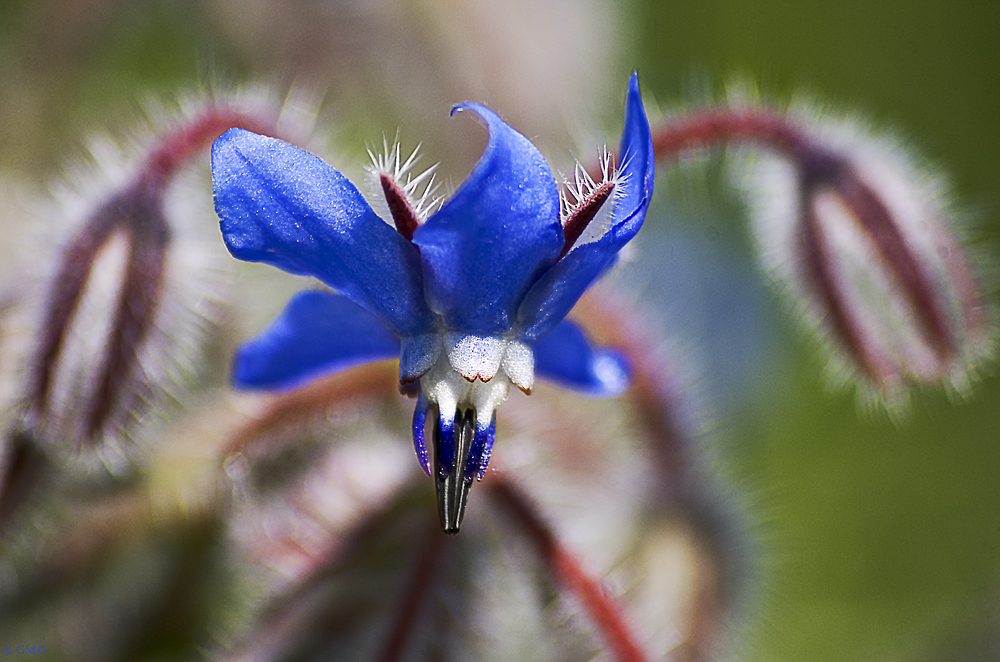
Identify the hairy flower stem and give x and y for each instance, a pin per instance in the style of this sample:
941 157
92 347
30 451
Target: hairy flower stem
680 484
602 608
188 140
717 126
710 127
310 402
827 171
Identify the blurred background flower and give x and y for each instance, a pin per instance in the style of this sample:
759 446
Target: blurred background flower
864 538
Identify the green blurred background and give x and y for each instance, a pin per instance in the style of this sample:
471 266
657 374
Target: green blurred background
879 542
883 542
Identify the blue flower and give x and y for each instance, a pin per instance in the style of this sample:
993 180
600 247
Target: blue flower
471 297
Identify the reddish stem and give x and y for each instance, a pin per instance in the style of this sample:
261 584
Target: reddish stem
876 221
309 402
602 607
137 210
659 400
187 141
660 412
424 573
727 125
140 215
817 167
818 266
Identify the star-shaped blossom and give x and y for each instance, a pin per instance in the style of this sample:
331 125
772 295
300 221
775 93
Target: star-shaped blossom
471 297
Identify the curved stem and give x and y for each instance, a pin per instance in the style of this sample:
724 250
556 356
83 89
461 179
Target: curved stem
425 572
680 484
310 402
599 605
188 140
718 125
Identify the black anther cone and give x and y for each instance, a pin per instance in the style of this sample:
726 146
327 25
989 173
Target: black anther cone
453 487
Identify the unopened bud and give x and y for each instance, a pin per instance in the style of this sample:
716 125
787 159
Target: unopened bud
100 309
865 240
135 279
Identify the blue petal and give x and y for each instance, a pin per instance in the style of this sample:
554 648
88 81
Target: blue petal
485 247
317 333
567 357
560 288
283 206
638 165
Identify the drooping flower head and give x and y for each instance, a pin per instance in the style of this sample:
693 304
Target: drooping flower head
471 298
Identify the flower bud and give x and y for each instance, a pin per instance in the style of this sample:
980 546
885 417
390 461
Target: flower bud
865 240
131 280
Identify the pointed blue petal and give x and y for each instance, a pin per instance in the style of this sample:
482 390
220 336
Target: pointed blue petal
558 290
638 167
317 333
484 248
566 356
283 206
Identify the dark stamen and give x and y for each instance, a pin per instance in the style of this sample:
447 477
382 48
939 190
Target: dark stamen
452 481
402 213
584 213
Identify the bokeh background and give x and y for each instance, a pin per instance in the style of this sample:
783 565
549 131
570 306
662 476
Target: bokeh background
872 540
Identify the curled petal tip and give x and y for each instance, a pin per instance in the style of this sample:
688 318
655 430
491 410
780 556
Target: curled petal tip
459 107
487 244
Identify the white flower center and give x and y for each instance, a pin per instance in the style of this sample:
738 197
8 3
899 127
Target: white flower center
460 371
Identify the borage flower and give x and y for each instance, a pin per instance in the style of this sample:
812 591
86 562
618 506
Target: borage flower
471 298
